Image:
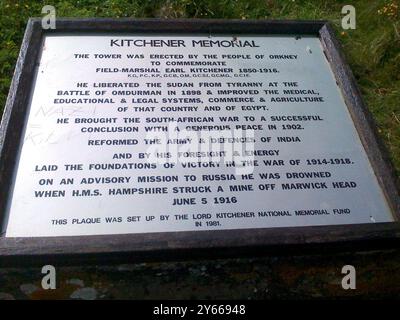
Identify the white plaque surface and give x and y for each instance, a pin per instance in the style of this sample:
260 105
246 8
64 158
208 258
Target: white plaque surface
124 135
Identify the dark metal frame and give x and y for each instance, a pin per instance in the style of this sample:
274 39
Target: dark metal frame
188 245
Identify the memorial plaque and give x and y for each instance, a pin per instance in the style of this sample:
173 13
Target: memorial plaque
140 136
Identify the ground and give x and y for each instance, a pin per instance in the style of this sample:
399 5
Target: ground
373 52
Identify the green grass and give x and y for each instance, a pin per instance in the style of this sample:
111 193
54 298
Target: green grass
373 49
